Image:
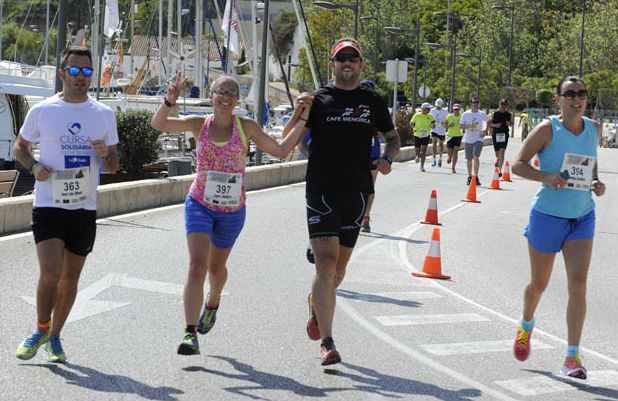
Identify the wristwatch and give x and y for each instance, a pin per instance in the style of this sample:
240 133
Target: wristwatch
388 159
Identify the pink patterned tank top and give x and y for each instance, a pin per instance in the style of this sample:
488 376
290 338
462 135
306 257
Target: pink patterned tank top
219 183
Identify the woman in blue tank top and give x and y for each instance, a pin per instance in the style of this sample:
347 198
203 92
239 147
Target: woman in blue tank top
562 212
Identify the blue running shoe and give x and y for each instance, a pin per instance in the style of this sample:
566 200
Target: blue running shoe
28 348
207 320
55 353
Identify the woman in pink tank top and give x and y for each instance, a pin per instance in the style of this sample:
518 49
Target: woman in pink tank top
215 205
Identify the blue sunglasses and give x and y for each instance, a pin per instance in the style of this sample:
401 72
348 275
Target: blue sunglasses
74 71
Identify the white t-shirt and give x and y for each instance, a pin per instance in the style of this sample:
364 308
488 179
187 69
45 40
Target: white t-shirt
64 131
440 117
475 134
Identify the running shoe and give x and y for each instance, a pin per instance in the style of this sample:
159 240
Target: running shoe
207 320
521 347
417 159
422 169
453 171
189 345
478 182
434 163
573 367
28 348
440 163
313 330
310 256
469 180
55 353
365 225
330 355
499 174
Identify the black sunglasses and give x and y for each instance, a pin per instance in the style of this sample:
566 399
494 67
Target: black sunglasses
342 58
474 102
571 94
74 71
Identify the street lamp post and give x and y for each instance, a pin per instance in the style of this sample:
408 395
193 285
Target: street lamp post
581 41
478 76
423 63
376 45
398 30
453 48
332 6
450 35
511 9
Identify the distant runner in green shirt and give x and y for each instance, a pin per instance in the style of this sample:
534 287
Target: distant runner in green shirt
454 134
422 123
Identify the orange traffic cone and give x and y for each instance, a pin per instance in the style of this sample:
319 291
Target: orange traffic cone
536 163
495 183
506 172
471 196
431 217
432 266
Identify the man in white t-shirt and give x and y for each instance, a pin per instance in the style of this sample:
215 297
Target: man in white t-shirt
77 136
474 124
438 133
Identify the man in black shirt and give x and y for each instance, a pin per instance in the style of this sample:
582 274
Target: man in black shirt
501 120
343 120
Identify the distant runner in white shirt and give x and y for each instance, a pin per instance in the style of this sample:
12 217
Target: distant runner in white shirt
472 123
438 133
77 136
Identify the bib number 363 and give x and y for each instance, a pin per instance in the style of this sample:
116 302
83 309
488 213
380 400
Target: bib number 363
70 186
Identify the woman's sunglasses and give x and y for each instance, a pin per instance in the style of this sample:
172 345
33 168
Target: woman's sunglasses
571 94
74 71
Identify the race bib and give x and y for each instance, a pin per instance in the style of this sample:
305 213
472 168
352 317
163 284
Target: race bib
423 133
501 137
223 189
580 169
70 186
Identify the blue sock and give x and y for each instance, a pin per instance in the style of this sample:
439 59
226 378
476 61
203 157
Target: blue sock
572 350
526 324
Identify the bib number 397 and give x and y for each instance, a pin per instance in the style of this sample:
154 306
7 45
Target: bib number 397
223 189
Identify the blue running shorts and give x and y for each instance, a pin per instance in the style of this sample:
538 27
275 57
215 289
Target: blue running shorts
223 227
547 233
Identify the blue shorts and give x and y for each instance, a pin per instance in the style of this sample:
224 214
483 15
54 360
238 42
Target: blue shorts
547 233
223 227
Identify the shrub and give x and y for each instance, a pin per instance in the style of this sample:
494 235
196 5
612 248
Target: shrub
138 140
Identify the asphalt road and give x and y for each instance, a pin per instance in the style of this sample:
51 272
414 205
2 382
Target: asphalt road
400 337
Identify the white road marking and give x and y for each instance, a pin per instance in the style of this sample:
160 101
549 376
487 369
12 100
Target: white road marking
546 384
477 347
417 355
406 320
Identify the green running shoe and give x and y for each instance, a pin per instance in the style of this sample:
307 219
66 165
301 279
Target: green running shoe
189 345
28 348
55 353
207 320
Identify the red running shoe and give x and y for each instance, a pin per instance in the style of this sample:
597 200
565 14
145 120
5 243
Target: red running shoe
313 330
573 367
330 355
521 347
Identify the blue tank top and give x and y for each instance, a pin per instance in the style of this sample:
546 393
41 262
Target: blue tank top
567 203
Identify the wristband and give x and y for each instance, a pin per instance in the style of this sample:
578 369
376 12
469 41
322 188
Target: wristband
168 103
32 166
388 159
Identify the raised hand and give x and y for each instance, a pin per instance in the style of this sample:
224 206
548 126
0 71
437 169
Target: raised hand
174 89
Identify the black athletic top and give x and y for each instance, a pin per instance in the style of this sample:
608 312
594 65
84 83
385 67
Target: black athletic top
503 119
343 123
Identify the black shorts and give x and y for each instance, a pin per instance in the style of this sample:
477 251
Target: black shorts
336 216
439 136
77 228
454 141
500 145
418 141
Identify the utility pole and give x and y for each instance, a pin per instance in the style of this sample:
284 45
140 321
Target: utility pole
61 40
